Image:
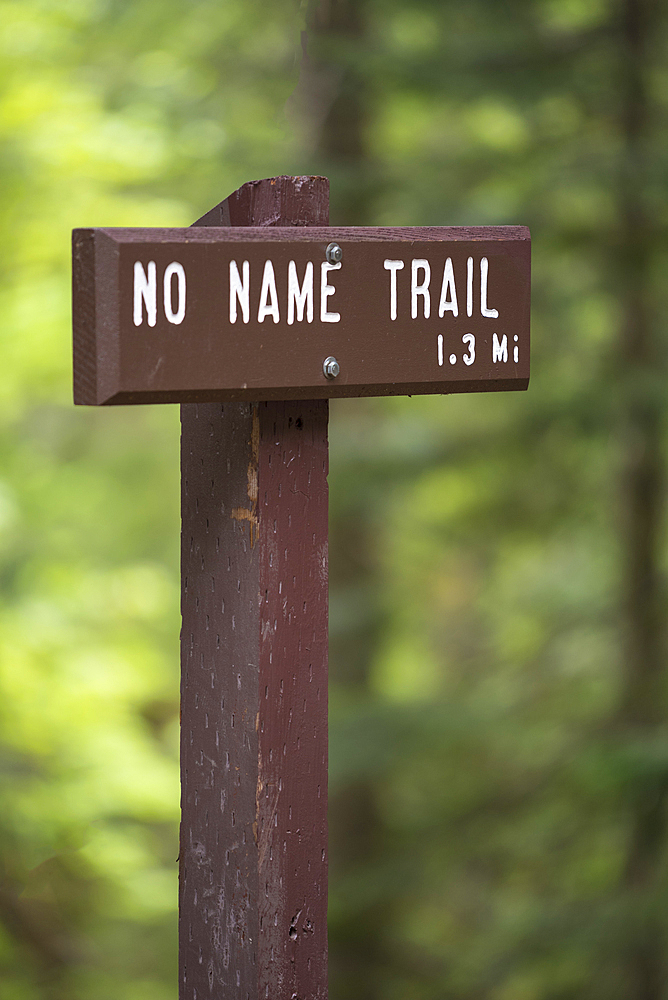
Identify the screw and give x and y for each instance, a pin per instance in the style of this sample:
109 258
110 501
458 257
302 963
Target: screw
334 253
330 367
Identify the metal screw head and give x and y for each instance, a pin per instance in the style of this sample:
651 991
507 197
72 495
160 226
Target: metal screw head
334 253
330 367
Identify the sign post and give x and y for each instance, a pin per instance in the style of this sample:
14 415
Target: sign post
252 319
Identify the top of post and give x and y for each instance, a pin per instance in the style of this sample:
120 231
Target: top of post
275 201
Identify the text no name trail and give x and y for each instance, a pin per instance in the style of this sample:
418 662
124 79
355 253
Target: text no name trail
185 315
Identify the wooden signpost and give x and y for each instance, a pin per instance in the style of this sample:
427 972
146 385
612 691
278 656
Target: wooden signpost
252 319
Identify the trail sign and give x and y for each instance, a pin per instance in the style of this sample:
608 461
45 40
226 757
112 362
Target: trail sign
253 329
183 315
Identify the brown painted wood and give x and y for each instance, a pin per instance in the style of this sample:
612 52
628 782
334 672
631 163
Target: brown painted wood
319 234
210 354
253 859
280 201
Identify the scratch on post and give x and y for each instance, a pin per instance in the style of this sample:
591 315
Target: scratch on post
258 797
156 367
242 514
267 824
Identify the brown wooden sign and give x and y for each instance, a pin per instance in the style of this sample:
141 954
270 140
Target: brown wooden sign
251 319
216 314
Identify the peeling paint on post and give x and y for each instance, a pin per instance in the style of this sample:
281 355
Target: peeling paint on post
253 860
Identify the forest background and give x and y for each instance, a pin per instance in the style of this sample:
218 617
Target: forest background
499 724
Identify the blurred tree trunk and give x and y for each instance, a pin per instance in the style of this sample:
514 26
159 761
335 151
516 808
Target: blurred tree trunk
331 105
643 696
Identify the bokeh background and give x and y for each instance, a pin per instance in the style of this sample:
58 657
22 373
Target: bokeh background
499 724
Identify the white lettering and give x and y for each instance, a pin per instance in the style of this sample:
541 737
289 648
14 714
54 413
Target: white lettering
300 297
469 287
325 291
448 305
469 340
440 349
175 269
268 292
420 288
145 291
393 266
489 313
239 290
516 350
499 350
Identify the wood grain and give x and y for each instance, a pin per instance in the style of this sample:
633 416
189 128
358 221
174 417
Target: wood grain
253 878
218 922
84 353
314 234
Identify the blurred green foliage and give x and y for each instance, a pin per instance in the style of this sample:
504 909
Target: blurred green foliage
499 737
